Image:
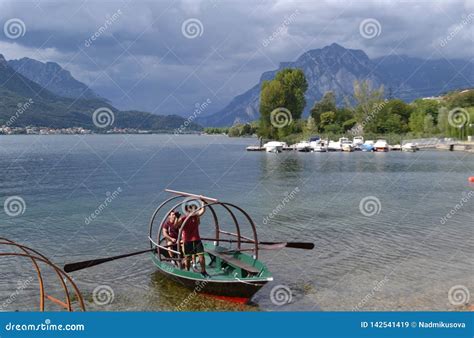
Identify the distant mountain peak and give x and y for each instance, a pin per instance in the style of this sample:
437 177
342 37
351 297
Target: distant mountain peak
335 68
3 62
53 77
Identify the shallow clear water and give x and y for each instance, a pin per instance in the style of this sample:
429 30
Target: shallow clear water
403 257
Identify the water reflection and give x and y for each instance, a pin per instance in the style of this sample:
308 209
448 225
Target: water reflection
283 165
171 295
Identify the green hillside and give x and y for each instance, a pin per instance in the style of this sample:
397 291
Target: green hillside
46 109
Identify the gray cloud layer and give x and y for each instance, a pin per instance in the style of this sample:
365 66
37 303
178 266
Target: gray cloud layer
141 59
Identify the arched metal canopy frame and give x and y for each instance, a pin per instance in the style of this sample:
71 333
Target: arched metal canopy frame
228 207
36 257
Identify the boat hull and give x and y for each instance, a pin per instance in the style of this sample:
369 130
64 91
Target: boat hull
235 289
226 284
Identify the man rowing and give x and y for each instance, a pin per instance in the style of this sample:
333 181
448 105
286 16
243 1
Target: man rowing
192 244
171 230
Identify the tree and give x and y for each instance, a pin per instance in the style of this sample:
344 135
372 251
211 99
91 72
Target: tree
327 118
327 103
429 127
294 85
285 93
272 96
366 99
430 107
310 127
417 121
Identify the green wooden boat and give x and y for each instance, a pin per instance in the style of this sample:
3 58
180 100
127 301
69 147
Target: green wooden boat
233 271
230 258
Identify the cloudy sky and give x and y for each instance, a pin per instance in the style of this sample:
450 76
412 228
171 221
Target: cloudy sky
167 56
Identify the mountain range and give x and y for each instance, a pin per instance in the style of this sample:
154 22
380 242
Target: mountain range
62 101
58 100
52 77
335 68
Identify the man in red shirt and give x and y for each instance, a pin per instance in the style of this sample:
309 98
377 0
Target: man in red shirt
192 244
170 232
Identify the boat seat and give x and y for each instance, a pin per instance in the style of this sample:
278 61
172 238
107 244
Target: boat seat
234 261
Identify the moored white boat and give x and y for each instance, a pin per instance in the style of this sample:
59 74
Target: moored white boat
334 146
317 145
346 144
357 142
303 146
409 147
381 145
274 146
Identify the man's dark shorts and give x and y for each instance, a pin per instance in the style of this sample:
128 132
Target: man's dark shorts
193 248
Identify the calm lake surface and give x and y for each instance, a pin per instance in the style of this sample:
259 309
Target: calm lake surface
398 256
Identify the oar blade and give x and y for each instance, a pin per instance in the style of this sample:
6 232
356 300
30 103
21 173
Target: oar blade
294 245
300 245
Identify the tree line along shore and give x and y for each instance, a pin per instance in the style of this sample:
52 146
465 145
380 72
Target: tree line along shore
368 112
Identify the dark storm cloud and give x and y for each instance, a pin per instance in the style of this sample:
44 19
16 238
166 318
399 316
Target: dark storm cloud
142 60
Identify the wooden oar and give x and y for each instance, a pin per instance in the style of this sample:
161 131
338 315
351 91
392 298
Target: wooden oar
87 264
201 197
270 245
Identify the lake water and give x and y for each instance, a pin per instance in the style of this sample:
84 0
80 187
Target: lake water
400 255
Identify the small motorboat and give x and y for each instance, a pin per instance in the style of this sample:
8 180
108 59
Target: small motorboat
274 146
254 148
357 142
409 147
368 146
395 147
318 148
381 146
334 146
303 146
317 145
346 145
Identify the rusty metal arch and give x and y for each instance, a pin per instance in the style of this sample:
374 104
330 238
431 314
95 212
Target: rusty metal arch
36 257
229 207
